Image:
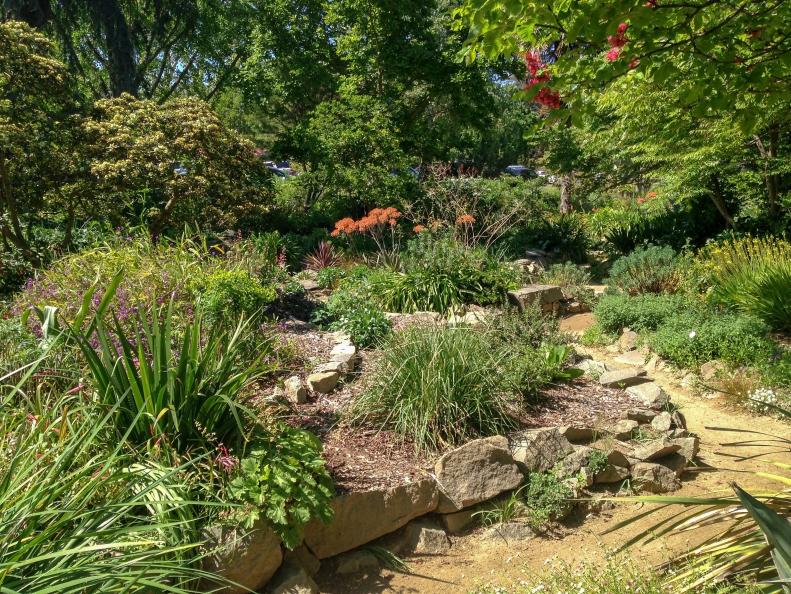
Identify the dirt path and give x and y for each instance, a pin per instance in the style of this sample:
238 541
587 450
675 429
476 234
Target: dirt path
475 560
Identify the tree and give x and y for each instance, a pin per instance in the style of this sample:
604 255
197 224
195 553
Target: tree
38 148
172 164
721 58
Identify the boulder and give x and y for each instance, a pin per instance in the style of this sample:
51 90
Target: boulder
309 284
655 449
591 367
421 537
475 472
544 295
653 364
458 522
248 557
621 378
654 478
641 415
650 395
343 348
292 579
617 452
578 433
628 340
675 462
611 474
304 558
678 420
331 366
623 429
687 446
295 390
662 422
712 370
323 382
359 561
631 359
538 450
576 464
363 516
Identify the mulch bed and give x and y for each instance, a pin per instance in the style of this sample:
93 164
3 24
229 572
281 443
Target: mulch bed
362 458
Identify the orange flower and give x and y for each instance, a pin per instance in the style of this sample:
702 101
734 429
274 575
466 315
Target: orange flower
346 225
465 219
335 232
651 195
418 228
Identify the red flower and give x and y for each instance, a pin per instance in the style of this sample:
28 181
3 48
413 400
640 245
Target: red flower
622 28
418 228
465 219
650 4
613 54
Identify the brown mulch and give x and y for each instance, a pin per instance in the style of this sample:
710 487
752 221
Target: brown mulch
362 458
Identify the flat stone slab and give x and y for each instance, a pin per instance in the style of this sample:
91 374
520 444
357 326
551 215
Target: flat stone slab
622 378
631 358
323 382
363 516
654 450
541 294
538 450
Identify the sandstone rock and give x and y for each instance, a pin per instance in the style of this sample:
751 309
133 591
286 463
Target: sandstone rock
624 429
576 464
359 561
613 348
711 370
323 382
654 450
611 474
458 522
592 367
361 517
662 422
641 415
538 450
689 380
541 294
295 390
249 558
423 537
631 359
654 478
619 378
292 579
628 340
652 364
331 366
678 420
343 348
650 394
675 462
304 558
577 434
339 336
618 453
309 284
475 472
509 531
687 446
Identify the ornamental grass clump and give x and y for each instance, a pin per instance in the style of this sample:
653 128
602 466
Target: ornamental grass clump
752 275
436 387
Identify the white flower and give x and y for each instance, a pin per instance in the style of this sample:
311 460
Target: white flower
762 400
692 334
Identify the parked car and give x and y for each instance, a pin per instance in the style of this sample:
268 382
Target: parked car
518 171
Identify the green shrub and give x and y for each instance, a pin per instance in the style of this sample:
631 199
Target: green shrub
547 497
187 397
653 269
572 279
691 338
350 310
565 236
330 277
229 294
84 511
641 313
751 275
435 386
284 479
438 274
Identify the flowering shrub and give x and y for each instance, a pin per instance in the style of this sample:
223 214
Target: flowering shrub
381 225
538 74
762 401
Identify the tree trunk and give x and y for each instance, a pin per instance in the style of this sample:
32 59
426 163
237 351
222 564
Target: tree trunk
14 233
565 194
35 13
719 201
772 180
121 65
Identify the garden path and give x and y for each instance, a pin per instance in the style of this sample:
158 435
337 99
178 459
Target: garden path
475 560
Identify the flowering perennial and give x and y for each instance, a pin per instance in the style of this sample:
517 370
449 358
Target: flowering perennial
537 73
